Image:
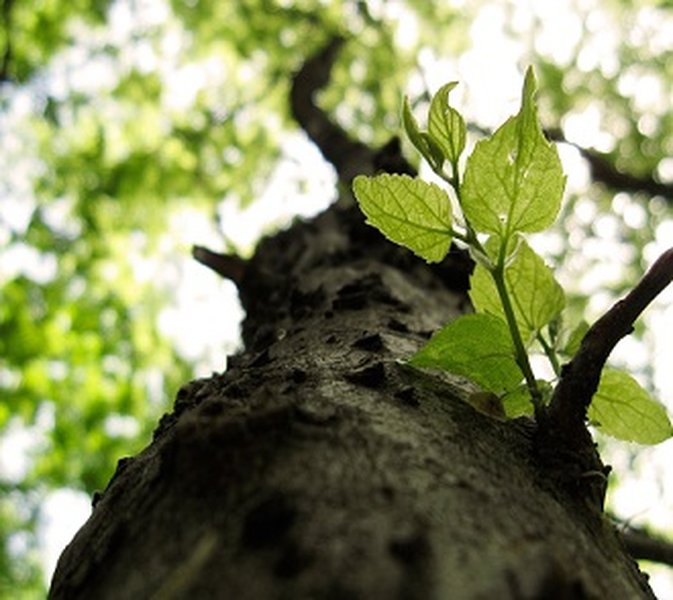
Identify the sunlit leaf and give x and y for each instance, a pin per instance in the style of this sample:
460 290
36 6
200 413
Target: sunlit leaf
476 346
445 124
623 409
518 403
407 211
574 338
420 139
536 296
514 180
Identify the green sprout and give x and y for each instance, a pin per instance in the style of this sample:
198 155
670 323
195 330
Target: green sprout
512 185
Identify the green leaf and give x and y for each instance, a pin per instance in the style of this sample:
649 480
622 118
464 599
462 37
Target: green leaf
514 180
445 124
537 298
476 346
407 211
623 409
435 154
420 139
410 125
518 403
574 338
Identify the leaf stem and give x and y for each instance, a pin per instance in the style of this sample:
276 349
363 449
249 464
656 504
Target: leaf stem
550 353
498 273
463 237
520 354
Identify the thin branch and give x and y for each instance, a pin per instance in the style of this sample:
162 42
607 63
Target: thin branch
228 266
645 546
334 143
563 443
348 156
604 171
579 378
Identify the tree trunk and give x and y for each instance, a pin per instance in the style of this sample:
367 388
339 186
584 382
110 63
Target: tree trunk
319 466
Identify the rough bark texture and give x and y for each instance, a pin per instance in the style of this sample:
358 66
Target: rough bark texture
319 466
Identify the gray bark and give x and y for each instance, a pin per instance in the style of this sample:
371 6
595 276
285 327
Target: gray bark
319 466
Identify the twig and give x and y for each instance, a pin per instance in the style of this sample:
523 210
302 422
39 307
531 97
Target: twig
334 143
580 377
563 443
644 546
604 171
228 266
348 156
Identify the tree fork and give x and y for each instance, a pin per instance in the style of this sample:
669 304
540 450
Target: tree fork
564 442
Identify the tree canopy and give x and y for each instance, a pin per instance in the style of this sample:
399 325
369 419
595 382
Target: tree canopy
131 128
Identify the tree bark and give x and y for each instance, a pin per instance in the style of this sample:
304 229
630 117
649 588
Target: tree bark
320 466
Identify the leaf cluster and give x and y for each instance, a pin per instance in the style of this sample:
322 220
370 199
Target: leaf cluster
511 185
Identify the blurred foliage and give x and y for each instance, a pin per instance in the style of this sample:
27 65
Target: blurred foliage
33 31
114 115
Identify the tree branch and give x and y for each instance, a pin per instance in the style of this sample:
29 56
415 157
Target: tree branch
580 377
563 443
604 171
336 146
348 156
228 266
644 546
